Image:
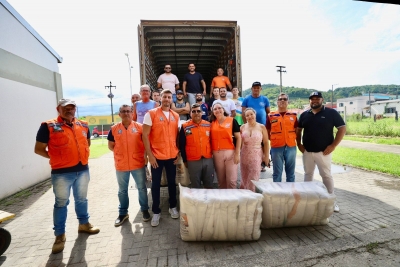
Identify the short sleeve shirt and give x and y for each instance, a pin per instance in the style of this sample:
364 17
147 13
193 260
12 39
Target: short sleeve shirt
318 128
193 83
259 104
168 81
228 105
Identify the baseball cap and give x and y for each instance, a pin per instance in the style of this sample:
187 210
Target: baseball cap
65 102
256 84
179 92
318 94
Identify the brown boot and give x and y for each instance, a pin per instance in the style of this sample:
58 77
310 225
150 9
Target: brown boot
58 245
88 228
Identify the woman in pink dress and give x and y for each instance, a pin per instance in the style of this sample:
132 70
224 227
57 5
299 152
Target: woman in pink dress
252 153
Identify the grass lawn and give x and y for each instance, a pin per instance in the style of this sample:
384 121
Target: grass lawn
374 139
98 147
368 160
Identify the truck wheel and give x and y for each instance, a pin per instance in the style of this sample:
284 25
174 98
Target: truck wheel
5 240
96 135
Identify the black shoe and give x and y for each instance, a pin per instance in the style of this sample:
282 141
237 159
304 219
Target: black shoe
120 220
146 216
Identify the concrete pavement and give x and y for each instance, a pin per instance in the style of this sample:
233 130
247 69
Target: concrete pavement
371 146
370 213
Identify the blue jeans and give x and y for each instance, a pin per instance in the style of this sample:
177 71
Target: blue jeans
279 155
170 169
62 184
139 175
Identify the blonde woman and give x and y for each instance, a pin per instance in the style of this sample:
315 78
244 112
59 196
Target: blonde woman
253 135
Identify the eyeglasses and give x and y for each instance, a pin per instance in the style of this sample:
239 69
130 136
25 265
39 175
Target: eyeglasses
125 111
282 99
196 111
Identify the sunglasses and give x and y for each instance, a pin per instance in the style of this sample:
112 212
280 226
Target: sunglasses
196 111
282 99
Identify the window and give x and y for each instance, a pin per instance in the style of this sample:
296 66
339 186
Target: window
351 103
390 110
341 105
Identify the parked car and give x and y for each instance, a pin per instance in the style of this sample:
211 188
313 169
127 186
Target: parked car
96 132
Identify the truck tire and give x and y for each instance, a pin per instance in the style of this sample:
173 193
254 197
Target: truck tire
96 135
5 240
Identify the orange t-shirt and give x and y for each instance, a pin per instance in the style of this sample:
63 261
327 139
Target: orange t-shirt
220 81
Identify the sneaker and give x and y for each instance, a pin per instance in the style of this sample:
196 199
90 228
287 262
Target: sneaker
120 220
156 220
174 213
146 215
88 228
59 244
336 207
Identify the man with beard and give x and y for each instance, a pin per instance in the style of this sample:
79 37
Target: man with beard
160 132
228 104
193 83
203 107
180 106
167 80
317 142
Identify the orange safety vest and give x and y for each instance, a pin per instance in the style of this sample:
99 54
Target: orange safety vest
221 135
129 148
282 132
197 140
163 134
68 145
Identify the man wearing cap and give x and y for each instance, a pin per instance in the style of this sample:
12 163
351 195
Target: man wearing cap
125 140
259 103
318 142
167 80
65 140
180 106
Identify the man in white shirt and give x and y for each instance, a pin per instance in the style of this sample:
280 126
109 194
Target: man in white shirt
167 80
228 104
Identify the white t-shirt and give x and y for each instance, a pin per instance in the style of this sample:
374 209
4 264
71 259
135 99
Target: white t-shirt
168 81
228 105
147 118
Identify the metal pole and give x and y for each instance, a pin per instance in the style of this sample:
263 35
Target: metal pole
130 72
332 95
111 96
280 70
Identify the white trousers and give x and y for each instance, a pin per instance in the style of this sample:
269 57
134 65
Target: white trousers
323 162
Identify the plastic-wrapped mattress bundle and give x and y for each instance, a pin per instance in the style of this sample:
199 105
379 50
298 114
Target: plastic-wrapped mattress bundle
220 214
295 204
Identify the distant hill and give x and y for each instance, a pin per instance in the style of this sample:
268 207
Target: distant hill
301 94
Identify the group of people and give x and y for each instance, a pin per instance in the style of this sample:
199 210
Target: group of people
218 136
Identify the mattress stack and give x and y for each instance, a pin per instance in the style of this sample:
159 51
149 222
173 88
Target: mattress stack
295 204
220 214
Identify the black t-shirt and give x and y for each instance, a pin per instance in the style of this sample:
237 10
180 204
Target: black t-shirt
43 136
318 128
193 83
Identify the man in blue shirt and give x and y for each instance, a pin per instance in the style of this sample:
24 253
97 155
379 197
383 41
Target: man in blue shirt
257 101
203 106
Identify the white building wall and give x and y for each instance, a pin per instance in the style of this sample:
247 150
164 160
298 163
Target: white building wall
30 85
357 106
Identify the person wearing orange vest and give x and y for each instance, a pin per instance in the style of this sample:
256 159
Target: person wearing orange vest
125 140
65 140
281 126
160 132
195 147
226 152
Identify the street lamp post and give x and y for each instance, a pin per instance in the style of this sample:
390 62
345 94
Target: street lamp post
130 72
111 96
280 70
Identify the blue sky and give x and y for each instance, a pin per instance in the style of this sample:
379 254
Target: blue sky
320 42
